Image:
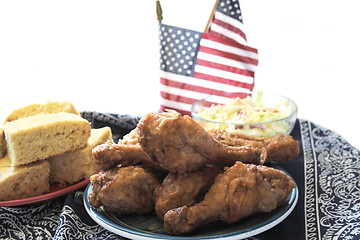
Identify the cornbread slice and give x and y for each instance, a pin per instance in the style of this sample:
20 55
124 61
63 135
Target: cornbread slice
2 143
23 181
36 109
71 167
42 136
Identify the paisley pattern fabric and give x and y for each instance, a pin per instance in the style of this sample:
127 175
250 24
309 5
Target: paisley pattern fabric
332 184
327 173
119 124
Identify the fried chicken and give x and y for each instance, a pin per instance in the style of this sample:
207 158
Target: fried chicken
126 152
183 189
279 148
242 190
124 190
131 138
180 144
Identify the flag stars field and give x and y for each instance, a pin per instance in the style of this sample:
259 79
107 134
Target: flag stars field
232 7
177 48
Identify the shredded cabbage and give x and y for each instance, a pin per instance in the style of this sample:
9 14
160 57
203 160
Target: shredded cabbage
249 116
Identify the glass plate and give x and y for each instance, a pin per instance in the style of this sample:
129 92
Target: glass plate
149 227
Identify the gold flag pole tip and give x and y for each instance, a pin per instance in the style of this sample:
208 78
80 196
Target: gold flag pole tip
158 11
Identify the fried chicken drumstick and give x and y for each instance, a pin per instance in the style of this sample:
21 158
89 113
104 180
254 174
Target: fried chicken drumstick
242 190
126 152
183 189
279 148
180 144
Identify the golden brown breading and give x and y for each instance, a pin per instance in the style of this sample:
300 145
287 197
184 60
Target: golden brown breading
180 144
110 154
242 190
279 148
178 190
124 190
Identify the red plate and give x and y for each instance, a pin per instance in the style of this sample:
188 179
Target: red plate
55 192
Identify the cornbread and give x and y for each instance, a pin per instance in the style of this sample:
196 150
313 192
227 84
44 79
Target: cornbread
45 135
36 109
2 143
74 166
23 181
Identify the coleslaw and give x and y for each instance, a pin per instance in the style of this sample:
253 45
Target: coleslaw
250 116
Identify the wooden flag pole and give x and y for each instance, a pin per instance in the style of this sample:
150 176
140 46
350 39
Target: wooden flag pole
211 16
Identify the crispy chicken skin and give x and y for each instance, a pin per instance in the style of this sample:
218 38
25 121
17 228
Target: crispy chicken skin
279 148
126 152
180 144
242 190
110 154
183 189
131 138
124 190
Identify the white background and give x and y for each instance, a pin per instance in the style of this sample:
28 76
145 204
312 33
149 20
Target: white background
103 55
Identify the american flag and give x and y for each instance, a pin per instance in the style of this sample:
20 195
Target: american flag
217 62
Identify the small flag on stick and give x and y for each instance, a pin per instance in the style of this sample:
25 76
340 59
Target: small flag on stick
217 62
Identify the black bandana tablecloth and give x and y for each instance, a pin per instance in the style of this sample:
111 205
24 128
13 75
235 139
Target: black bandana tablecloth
327 173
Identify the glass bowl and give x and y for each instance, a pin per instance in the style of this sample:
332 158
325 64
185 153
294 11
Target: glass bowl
279 125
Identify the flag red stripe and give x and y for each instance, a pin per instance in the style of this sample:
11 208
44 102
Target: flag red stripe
182 99
228 55
230 42
225 67
229 27
195 88
177 98
190 87
223 80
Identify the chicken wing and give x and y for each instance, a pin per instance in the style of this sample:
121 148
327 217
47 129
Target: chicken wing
180 144
279 148
178 190
242 190
124 190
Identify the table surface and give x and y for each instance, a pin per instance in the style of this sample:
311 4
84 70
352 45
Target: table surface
326 172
